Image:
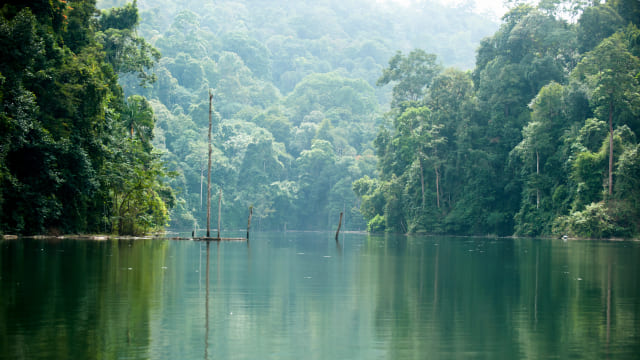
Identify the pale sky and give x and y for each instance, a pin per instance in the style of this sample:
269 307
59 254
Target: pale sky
494 7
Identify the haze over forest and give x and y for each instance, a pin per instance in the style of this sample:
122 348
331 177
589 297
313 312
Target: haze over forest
418 119
283 75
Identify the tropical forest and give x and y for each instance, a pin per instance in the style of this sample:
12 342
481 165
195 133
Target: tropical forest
414 118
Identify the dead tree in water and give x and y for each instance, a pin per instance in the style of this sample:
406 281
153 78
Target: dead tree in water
339 225
249 221
209 172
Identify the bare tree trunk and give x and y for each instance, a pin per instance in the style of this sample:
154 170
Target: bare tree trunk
249 222
437 186
610 148
437 170
537 173
209 172
422 182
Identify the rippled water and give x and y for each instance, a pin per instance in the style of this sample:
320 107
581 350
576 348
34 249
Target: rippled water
302 296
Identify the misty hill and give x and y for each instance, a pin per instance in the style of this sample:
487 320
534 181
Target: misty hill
295 97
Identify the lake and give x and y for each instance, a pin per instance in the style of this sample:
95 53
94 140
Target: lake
302 296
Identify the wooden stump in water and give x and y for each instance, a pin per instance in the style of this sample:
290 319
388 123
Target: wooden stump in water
339 225
249 221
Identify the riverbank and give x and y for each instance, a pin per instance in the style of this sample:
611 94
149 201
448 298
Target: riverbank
95 237
80 237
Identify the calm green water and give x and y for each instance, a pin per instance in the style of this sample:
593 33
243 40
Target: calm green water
300 296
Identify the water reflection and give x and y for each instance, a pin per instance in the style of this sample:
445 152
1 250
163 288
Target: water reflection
78 299
308 296
206 311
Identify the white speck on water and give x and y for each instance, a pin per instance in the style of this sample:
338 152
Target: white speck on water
164 268
307 277
579 279
129 268
300 253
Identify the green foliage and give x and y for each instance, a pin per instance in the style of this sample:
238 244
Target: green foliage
376 225
138 196
412 75
596 24
593 222
515 145
125 50
65 124
525 149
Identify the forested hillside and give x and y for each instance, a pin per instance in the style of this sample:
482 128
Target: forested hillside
296 106
418 119
540 139
75 155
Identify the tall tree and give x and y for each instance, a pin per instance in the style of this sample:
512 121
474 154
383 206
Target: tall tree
610 71
411 75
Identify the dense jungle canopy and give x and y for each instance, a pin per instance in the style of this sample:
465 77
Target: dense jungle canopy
419 119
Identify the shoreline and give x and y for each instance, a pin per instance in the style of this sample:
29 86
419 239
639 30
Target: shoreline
101 237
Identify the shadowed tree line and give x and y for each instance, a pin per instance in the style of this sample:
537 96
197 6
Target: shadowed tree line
75 155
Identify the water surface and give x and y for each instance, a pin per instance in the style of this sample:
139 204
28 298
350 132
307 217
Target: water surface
301 295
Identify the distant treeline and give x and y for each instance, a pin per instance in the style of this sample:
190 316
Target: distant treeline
316 112
296 108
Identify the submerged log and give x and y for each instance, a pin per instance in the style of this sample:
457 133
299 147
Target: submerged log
218 239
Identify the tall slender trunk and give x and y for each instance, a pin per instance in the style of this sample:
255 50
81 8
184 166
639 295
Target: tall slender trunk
437 169
610 148
537 173
209 172
422 182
